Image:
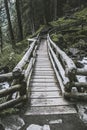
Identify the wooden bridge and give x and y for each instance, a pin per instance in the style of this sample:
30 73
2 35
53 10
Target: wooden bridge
45 78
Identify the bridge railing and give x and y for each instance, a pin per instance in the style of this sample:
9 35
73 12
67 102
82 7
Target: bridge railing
18 91
66 72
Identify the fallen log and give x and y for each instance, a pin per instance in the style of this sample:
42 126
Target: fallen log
12 103
7 76
18 69
81 72
10 90
77 96
80 84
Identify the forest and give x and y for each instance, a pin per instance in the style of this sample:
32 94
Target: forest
21 18
43 64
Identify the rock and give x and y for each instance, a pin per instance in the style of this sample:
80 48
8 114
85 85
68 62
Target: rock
34 127
38 127
2 127
79 64
13 122
74 51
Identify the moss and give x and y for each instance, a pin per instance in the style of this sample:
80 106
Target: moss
9 111
81 14
54 37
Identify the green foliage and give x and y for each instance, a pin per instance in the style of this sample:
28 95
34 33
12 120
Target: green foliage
82 15
54 37
9 111
10 57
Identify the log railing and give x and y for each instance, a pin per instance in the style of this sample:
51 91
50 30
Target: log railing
66 72
18 92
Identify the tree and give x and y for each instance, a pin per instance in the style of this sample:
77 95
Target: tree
47 11
9 23
1 42
17 4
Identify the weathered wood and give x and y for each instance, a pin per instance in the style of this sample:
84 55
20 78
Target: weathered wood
43 69
18 69
52 110
81 72
10 90
27 71
44 89
44 80
80 84
65 59
7 76
59 67
42 77
49 102
57 75
77 96
12 103
54 94
43 84
43 72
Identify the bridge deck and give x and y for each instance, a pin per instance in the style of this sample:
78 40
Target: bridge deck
46 102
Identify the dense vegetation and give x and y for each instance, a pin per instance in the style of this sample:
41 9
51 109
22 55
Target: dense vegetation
21 18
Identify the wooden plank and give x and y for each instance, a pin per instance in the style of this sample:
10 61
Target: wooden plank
54 94
44 72
43 66
52 110
43 69
42 58
44 89
43 84
42 77
44 80
49 102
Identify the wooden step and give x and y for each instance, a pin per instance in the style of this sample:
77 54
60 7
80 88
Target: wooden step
43 66
43 72
32 84
44 89
43 69
52 110
44 80
49 102
42 77
41 95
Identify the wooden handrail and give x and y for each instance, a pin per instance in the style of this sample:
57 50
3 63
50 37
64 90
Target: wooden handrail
82 72
59 66
18 69
11 90
11 103
7 76
65 59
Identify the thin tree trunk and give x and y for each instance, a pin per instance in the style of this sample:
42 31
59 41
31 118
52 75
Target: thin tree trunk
19 20
9 23
55 9
1 41
32 18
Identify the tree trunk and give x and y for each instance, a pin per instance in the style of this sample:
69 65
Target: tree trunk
32 18
17 4
1 42
55 9
9 23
